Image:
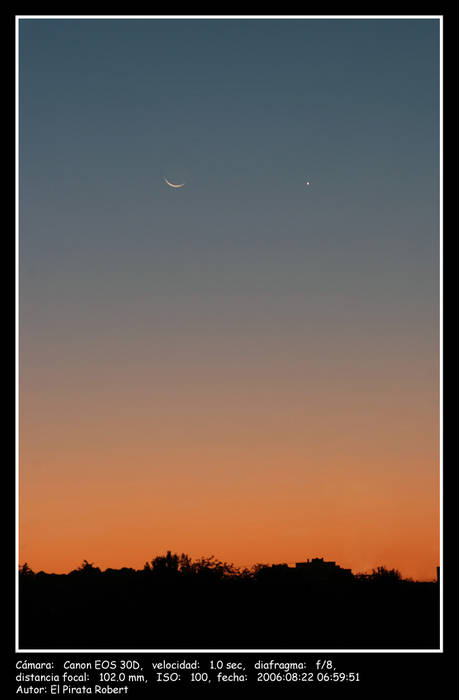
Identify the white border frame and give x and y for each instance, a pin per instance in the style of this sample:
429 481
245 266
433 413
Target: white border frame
223 17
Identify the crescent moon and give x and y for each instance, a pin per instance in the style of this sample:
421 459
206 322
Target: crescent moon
171 184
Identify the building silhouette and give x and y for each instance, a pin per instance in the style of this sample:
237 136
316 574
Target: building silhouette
317 569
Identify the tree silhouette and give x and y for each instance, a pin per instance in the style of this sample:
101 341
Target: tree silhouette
86 568
25 570
383 574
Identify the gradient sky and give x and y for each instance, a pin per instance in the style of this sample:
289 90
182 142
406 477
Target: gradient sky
246 366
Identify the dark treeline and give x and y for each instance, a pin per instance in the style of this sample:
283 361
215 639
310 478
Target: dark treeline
177 603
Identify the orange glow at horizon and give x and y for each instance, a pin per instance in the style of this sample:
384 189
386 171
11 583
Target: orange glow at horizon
252 458
244 495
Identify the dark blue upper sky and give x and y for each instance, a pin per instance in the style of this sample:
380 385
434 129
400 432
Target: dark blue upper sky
245 111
